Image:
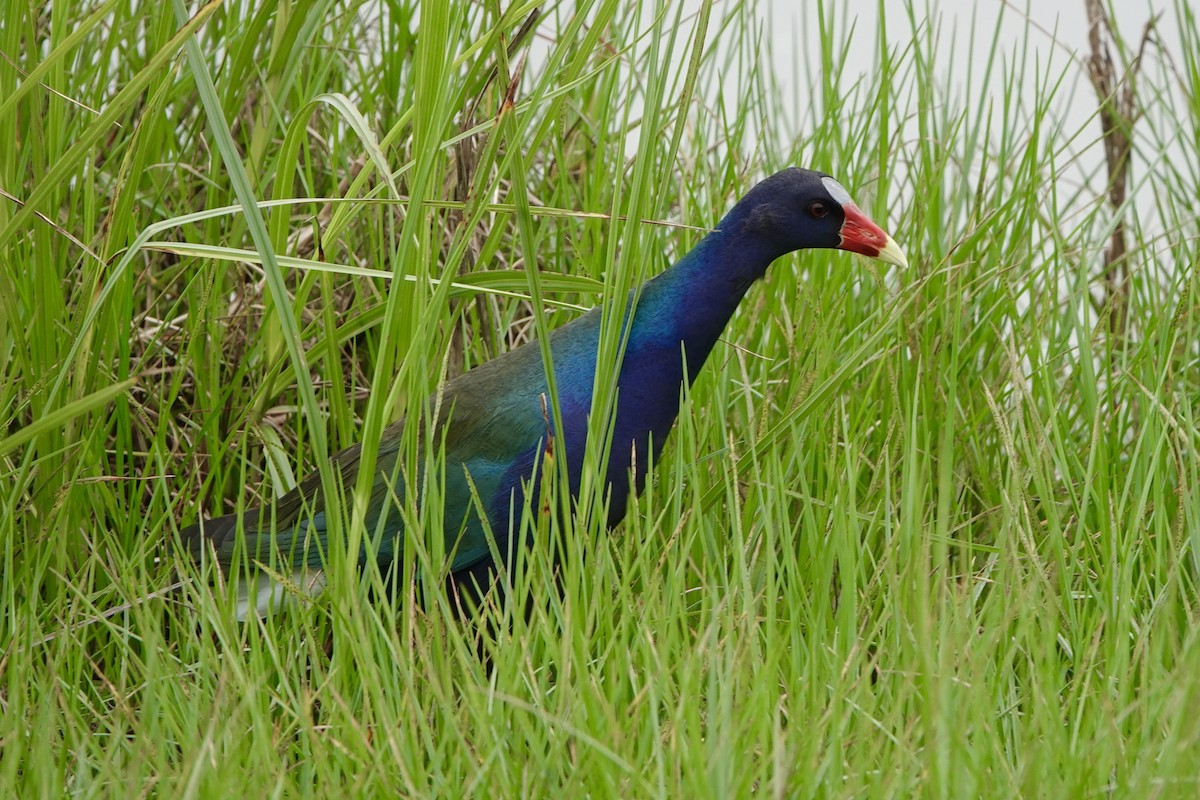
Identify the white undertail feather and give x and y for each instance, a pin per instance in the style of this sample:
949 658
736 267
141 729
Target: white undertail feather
265 593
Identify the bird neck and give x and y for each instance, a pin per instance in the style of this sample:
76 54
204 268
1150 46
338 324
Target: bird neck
692 301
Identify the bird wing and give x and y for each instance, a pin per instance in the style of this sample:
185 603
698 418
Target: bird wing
491 424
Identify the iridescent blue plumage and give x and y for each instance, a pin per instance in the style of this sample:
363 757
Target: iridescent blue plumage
494 420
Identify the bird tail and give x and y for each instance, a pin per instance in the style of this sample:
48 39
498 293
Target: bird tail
216 534
262 590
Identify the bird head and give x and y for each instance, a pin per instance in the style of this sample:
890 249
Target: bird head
798 208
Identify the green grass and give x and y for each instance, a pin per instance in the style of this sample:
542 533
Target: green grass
918 534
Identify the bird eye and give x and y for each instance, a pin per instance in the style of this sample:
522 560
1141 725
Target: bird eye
818 210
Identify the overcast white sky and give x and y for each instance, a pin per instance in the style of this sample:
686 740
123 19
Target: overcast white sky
1054 33
1051 34
1051 29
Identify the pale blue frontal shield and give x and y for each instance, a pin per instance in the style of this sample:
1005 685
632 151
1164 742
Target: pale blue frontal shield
837 192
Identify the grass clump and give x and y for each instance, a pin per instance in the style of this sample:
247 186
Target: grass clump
921 534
